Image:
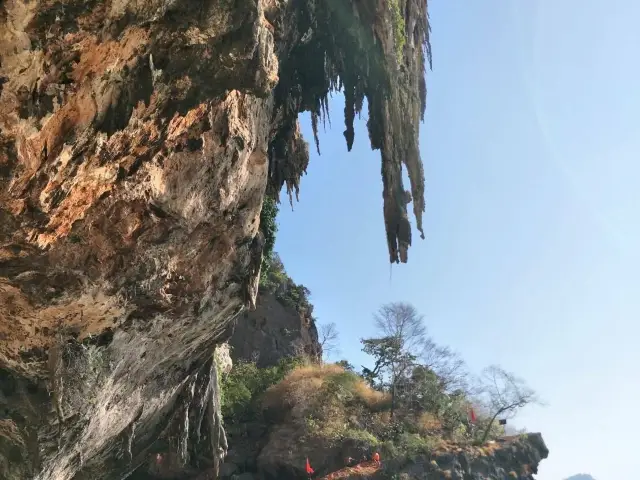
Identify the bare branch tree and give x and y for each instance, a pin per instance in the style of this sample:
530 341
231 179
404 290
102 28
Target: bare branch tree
402 321
403 338
447 364
328 339
505 394
404 346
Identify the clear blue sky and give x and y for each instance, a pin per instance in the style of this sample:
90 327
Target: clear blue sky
531 261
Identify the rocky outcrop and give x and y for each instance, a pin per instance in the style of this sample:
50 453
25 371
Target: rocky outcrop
222 357
337 421
137 141
274 331
514 458
511 458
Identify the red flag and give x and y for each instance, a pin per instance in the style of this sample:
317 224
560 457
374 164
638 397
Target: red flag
308 467
472 415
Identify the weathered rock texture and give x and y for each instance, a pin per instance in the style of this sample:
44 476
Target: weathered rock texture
137 140
274 331
514 458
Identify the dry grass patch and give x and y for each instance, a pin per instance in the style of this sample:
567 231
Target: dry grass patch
302 386
373 399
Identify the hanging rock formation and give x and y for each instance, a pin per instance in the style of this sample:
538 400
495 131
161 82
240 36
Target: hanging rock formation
137 141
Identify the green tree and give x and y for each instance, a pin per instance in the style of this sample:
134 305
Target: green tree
402 340
392 362
243 386
425 392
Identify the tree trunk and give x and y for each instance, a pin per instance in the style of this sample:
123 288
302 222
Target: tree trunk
486 431
393 398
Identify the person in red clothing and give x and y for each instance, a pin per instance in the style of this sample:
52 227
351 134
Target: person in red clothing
308 468
376 458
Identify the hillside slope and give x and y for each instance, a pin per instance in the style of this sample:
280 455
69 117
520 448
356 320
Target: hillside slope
333 418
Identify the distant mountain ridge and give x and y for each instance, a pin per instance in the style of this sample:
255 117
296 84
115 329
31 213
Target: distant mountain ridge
581 476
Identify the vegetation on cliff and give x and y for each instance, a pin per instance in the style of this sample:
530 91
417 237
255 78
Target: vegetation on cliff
415 400
275 280
242 388
273 276
269 228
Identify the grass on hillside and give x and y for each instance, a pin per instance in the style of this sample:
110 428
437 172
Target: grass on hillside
302 386
319 407
328 404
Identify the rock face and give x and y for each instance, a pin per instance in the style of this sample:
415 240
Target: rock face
273 331
514 458
137 141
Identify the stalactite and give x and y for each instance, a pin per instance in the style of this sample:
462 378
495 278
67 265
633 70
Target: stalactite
356 47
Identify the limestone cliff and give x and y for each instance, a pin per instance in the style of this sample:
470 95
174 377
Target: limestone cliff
274 331
282 324
137 141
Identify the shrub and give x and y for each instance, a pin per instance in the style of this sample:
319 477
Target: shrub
341 385
274 279
361 435
238 388
413 445
460 434
350 387
388 449
245 384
